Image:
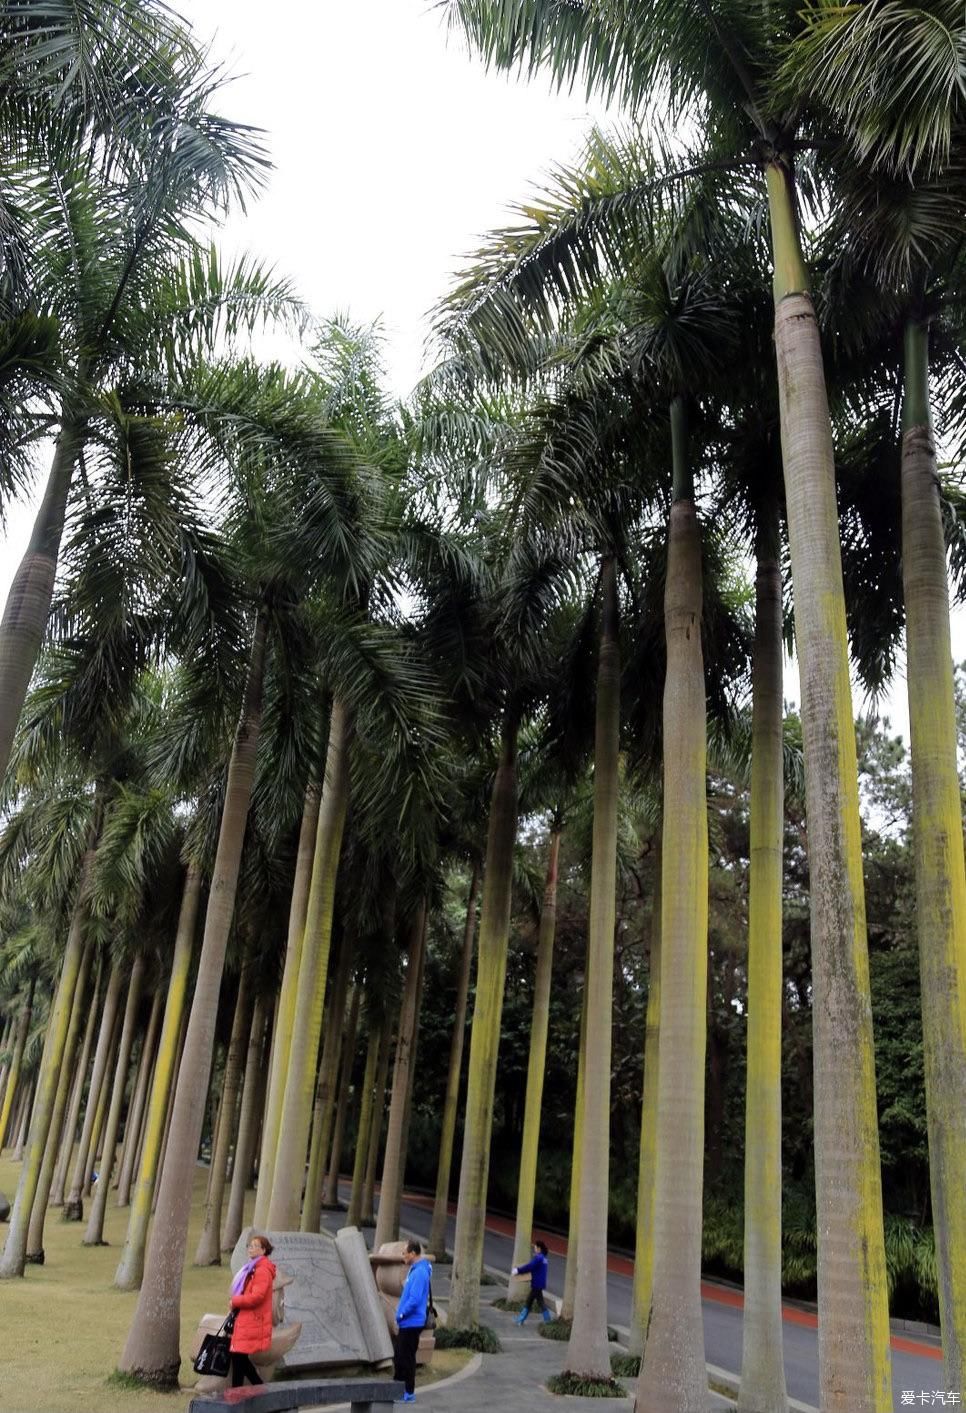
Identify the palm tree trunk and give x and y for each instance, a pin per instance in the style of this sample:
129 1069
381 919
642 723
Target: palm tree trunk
209 1244
94 1235
286 1200
59 1183
330 1196
447 1133
22 1126
762 1363
464 1307
169 1113
285 1016
368 1218
673 1369
151 1352
28 601
938 840
392 1177
854 1353
573 1209
588 1353
647 1160
73 1205
131 1264
354 1215
5 1043
245 1142
133 1128
323 1112
100 1113
533 1104
16 1062
413 1066
216 1112
38 1212
55 1046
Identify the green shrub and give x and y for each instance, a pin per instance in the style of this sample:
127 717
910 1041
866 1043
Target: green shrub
577 1386
478 1337
511 1306
625 1366
560 1330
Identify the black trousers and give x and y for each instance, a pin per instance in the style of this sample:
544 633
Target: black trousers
242 1368
534 1298
404 1363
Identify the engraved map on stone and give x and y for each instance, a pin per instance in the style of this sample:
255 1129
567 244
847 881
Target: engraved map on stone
319 1296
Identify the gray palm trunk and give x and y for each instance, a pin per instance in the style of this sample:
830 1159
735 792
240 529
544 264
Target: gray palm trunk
100 1114
573 1208
390 1190
374 1141
209 1243
247 1117
73 1205
330 1195
22 1126
134 1127
15 1249
354 1215
69 1135
94 1235
536 1064
13 1092
38 1213
647 1155
152 1351
447 1132
323 1112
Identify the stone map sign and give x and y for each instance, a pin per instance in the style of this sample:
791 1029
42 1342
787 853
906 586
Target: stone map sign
332 1293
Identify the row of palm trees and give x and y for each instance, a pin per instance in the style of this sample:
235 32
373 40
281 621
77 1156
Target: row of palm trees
295 636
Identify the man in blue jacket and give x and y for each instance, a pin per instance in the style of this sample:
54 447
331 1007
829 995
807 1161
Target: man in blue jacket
538 1282
411 1317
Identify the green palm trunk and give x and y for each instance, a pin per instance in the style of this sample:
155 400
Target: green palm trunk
762 1363
53 1058
131 1264
673 1371
368 1218
938 842
16 1061
447 1132
69 1135
38 1212
464 1306
573 1209
286 1201
285 1017
73 1203
647 1159
245 1143
354 1215
330 1196
152 1350
588 1353
209 1243
323 1112
94 1235
536 1064
390 1191
134 1125
854 1354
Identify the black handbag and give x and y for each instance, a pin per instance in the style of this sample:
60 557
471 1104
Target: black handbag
431 1315
214 1356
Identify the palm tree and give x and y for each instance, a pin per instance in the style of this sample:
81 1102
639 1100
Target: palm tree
247 1120
209 1243
13 1074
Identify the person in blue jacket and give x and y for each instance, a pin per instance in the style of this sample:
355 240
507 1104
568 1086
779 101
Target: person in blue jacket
411 1317
538 1282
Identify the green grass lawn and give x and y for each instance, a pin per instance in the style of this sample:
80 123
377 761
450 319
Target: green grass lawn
63 1326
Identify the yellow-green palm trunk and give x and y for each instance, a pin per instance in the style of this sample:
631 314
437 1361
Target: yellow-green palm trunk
209 1243
647 1159
54 1053
354 1215
285 1013
536 1065
762 1363
38 1212
245 1143
131 1264
286 1201
94 1235
59 1184
28 600
938 842
368 1218
134 1124
330 1195
152 1350
390 1190
673 1372
588 1353
447 1132
464 1306
73 1203
573 1209
323 1112
16 1062
854 1355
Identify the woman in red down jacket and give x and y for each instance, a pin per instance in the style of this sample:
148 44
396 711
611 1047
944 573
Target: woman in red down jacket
251 1299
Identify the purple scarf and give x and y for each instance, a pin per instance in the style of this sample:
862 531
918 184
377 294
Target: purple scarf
238 1284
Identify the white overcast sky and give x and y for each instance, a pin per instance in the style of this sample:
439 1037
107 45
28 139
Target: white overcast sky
393 152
